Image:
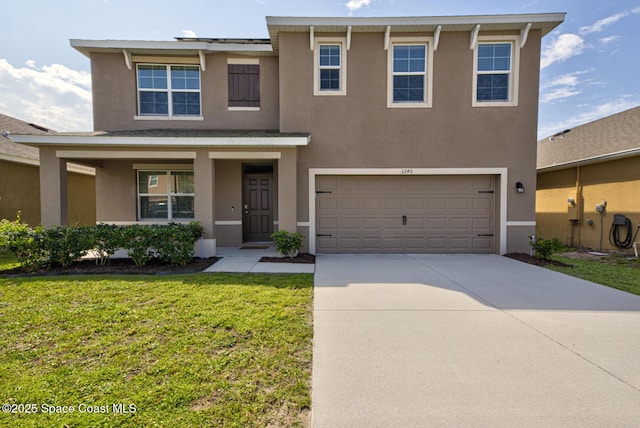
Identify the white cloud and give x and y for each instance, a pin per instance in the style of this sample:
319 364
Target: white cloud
561 87
598 26
635 10
357 4
189 33
52 95
608 40
594 113
562 48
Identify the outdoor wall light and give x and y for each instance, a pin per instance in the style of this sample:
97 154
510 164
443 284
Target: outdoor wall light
519 187
571 201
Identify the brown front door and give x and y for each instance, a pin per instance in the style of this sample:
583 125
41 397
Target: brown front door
257 218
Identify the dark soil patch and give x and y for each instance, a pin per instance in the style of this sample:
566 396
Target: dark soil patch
300 258
117 266
523 257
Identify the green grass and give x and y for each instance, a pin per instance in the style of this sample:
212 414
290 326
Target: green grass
615 272
193 350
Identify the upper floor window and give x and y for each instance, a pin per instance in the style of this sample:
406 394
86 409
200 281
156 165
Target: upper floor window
496 72
330 67
168 90
243 83
165 195
410 72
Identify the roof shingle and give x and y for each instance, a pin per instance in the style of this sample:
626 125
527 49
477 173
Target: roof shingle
586 143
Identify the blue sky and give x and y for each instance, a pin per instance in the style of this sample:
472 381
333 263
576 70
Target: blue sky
590 63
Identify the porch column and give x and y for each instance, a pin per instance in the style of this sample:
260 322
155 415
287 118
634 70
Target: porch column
204 204
53 188
287 191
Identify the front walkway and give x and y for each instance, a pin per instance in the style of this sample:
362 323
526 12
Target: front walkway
246 259
445 340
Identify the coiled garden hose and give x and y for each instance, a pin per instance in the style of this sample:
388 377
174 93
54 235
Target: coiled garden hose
614 234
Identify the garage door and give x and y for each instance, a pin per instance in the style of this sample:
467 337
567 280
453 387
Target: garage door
402 214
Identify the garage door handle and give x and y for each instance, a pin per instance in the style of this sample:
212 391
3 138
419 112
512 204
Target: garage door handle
324 234
485 234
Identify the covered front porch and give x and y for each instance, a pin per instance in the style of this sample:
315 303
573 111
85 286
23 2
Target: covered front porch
241 186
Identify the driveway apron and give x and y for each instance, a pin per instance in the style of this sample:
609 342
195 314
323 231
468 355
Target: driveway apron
470 340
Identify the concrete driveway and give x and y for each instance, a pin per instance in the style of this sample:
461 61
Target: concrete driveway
465 340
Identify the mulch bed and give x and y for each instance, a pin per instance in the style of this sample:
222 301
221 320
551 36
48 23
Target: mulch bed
300 258
117 266
523 257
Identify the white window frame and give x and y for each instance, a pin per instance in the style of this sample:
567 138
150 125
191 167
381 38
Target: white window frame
342 41
514 74
428 84
168 194
169 90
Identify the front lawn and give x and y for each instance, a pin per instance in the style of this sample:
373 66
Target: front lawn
613 271
162 351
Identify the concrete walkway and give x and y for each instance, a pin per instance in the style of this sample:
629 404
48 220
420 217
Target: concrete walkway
238 260
445 340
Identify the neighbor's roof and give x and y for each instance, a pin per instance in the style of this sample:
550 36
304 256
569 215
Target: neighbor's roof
15 152
609 138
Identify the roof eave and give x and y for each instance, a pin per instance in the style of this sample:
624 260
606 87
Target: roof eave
156 142
592 160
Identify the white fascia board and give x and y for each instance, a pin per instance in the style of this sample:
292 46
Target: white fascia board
588 161
61 140
86 46
418 20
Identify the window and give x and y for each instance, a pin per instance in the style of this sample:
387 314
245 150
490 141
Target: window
171 91
244 84
166 195
495 72
330 64
410 72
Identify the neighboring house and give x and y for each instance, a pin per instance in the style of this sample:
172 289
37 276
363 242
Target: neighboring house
580 168
20 178
366 135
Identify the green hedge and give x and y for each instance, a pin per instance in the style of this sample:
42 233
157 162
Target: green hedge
41 247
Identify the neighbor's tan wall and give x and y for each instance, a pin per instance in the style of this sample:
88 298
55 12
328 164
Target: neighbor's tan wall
359 131
617 182
552 218
20 191
115 97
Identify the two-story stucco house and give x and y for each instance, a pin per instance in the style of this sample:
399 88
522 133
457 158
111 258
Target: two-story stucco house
366 135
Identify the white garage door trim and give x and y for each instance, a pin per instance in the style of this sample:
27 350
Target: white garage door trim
502 172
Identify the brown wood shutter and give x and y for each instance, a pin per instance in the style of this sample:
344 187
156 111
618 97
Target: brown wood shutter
244 85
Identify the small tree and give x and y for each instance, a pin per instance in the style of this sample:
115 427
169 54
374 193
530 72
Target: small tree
288 243
544 248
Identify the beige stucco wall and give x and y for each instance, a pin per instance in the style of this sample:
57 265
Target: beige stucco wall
359 131
617 182
20 191
115 97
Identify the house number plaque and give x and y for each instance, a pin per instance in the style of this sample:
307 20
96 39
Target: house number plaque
407 171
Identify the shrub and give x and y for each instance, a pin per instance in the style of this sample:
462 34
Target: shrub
62 245
66 244
107 239
544 248
137 239
26 244
173 243
287 243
